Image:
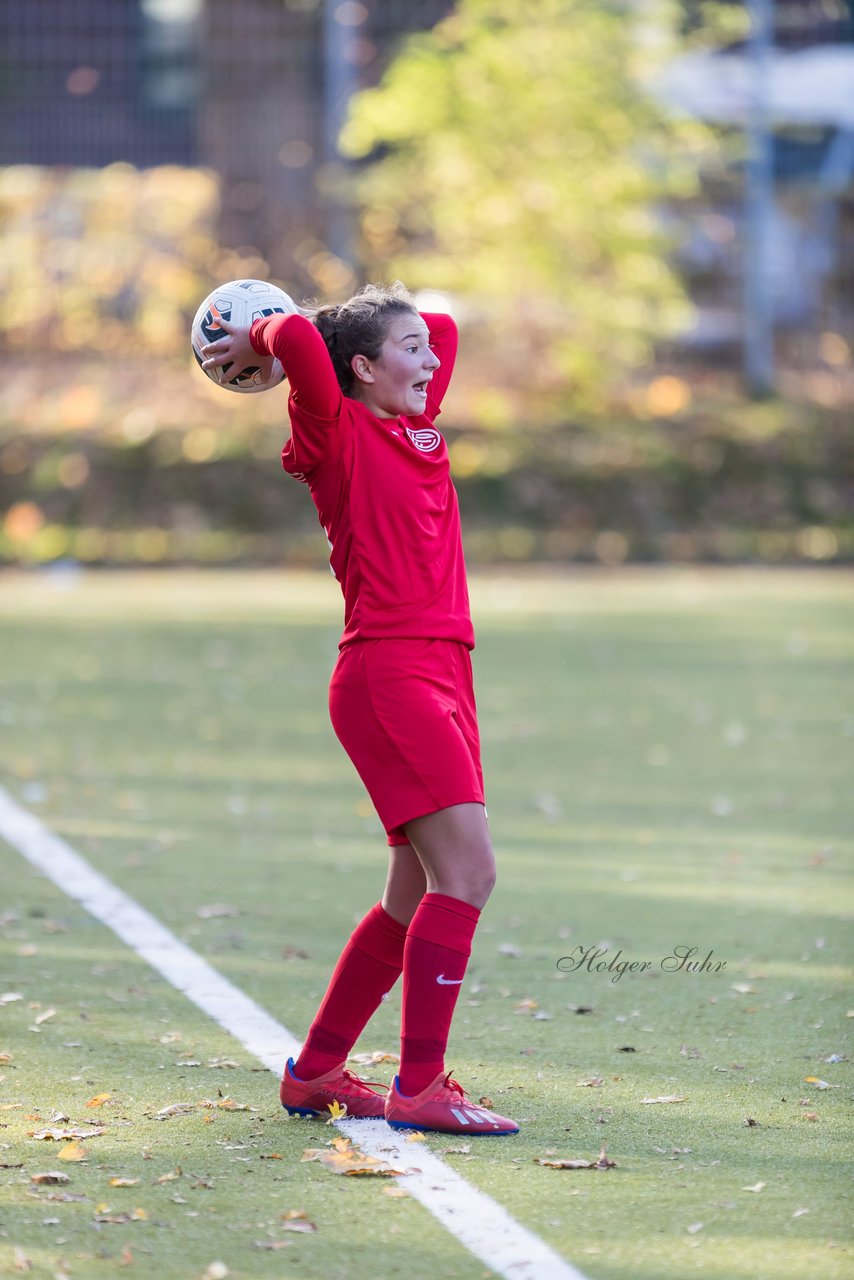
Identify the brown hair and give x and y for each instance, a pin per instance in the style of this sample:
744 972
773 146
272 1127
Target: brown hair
360 326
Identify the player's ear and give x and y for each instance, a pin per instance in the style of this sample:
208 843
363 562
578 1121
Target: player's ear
361 367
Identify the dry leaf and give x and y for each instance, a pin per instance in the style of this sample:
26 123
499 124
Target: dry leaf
6 1058
176 1109
271 1155
226 1104
73 1151
668 1098
49 1179
124 1182
21 1262
347 1159
416 1136
756 1187
397 1192
799 1213
99 1100
456 1151
601 1163
373 1059
593 1083
299 1224
336 1111
68 1134
819 1084
43 1017
168 1177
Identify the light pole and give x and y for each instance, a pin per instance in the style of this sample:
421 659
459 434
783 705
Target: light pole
759 208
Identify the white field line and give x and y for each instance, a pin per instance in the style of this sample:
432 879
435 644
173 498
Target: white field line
480 1224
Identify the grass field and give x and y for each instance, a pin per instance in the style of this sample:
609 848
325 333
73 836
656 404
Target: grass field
670 763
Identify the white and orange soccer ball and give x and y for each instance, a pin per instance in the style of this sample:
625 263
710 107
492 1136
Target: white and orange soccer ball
240 302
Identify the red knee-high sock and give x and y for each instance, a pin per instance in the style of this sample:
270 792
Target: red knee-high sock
438 945
368 967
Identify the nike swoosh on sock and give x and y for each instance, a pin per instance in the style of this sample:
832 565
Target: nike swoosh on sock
449 982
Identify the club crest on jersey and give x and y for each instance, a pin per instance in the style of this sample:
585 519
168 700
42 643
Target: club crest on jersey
424 438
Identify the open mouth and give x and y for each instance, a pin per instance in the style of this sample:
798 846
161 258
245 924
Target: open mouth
420 388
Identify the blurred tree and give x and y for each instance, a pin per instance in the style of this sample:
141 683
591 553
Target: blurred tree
514 160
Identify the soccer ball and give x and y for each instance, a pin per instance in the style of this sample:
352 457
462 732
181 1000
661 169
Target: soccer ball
240 301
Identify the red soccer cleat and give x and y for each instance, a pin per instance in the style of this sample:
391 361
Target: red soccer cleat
442 1108
314 1097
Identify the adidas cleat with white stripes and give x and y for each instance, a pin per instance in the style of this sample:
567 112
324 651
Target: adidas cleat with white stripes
443 1108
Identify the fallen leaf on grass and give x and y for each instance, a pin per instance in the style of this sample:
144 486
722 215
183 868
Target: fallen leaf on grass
43 1017
226 1104
99 1100
416 1136
270 1155
694 1227
118 1219
671 1097
168 1177
20 1261
124 1182
396 1192
73 1152
51 1178
299 1224
756 1187
336 1111
593 1083
223 1062
347 1159
175 1109
799 1213
820 1084
751 1123
373 1059
68 1134
601 1163
6 1058
456 1151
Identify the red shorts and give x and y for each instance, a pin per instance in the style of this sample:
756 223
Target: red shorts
404 712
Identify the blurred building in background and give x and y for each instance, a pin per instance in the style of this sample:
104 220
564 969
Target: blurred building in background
256 92
151 147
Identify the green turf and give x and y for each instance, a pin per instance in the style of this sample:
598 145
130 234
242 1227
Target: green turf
669 763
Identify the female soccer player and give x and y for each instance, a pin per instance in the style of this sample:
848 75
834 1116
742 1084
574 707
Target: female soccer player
367 380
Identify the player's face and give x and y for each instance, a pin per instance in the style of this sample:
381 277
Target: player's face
397 380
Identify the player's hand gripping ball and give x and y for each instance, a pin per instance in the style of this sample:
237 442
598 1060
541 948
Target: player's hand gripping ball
240 302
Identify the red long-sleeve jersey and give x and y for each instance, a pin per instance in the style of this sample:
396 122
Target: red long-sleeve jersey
382 488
